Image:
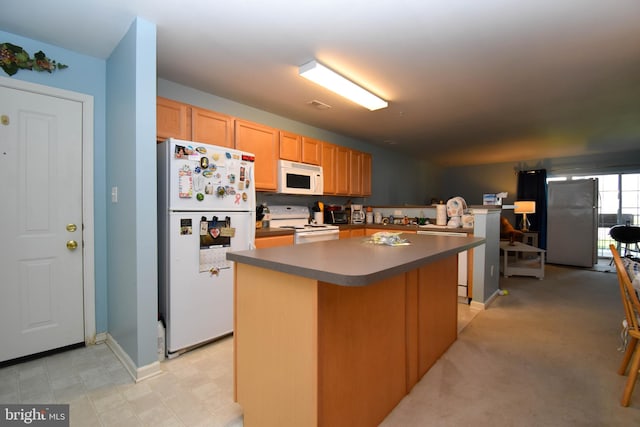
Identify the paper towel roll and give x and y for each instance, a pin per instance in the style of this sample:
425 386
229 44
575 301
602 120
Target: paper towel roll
441 214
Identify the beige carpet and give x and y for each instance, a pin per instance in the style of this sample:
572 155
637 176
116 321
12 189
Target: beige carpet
544 355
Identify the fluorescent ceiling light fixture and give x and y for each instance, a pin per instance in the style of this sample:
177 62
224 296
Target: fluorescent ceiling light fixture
333 81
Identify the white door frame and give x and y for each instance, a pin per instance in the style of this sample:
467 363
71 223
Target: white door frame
87 193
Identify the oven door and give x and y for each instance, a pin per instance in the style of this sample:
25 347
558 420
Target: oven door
315 236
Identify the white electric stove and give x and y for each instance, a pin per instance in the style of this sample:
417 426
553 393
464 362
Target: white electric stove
297 218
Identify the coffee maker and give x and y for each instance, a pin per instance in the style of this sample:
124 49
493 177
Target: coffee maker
357 214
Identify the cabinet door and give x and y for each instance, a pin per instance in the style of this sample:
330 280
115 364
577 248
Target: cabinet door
355 173
262 141
273 241
371 231
311 151
329 167
172 119
211 127
290 146
366 174
357 232
342 170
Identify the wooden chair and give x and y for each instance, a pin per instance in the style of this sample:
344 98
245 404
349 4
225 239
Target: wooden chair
629 236
632 313
507 232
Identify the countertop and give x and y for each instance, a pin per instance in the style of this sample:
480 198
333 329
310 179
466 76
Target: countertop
355 262
266 232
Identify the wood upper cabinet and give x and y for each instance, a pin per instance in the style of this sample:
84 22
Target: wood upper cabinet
329 167
311 151
183 121
263 142
300 148
211 128
355 172
366 174
342 176
290 146
347 172
172 119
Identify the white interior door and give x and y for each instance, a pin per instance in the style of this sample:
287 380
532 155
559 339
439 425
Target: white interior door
41 283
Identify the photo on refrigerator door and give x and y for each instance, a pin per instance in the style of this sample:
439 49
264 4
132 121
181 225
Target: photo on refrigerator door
215 241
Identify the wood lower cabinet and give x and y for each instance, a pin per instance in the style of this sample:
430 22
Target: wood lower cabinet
369 231
273 241
312 353
263 142
210 127
352 232
172 119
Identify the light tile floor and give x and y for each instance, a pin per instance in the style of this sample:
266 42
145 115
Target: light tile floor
194 389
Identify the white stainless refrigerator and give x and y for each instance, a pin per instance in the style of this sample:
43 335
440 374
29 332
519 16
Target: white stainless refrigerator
572 226
206 207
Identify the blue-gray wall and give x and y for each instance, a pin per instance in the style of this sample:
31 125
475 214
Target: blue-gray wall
85 75
131 167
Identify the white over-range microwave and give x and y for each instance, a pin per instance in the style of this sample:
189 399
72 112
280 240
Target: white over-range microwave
299 178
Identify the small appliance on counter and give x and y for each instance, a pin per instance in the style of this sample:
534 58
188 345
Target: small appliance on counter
335 214
357 214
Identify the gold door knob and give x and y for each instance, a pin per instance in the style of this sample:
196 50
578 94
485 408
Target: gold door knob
71 227
72 244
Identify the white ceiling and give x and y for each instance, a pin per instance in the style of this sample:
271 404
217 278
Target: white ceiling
468 82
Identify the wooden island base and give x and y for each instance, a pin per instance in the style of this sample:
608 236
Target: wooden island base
311 353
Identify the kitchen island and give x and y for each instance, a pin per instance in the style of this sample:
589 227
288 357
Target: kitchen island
336 333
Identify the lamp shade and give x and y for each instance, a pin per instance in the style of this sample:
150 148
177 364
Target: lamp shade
524 207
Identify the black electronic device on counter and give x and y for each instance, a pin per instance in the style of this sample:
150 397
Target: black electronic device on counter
335 216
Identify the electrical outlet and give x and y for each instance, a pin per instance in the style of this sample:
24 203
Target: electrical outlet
114 194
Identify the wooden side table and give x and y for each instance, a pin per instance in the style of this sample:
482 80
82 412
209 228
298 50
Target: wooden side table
518 263
531 238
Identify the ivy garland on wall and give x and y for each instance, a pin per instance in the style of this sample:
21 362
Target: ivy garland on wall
14 58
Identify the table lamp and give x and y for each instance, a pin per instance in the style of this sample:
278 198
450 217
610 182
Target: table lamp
524 208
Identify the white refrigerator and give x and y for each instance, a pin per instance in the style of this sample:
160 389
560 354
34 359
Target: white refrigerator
206 207
572 225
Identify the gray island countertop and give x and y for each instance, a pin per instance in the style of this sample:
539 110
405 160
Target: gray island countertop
355 261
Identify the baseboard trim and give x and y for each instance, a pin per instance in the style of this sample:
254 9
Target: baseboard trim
484 305
138 374
101 337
